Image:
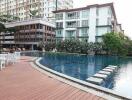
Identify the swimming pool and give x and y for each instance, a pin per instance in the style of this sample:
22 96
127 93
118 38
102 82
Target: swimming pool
85 66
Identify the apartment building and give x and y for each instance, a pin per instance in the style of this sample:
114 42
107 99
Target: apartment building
29 33
87 23
22 8
31 30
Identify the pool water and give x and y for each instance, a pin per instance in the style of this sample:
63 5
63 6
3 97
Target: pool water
77 66
85 66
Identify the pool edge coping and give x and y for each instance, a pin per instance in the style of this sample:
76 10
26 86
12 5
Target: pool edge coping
105 91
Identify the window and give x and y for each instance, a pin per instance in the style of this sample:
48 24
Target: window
41 26
85 14
73 24
97 11
73 15
70 34
84 31
59 16
58 33
101 31
85 23
59 25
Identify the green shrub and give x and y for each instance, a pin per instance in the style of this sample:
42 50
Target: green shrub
47 46
76 46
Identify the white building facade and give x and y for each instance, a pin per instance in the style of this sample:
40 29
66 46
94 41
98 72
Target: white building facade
87 24
22 8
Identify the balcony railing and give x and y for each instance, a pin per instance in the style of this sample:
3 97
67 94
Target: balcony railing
83 35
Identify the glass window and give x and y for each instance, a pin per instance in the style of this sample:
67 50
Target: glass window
59 33
84 31
41 26
97 11
73 15
59 16
85 14
59 25
85 23
72 24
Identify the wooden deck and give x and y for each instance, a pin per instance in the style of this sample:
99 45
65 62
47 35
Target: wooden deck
22 82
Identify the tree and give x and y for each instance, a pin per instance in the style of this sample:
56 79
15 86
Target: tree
41 45
2 27
6 18
112 42
46 46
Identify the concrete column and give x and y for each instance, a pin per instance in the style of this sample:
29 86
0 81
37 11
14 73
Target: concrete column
92 24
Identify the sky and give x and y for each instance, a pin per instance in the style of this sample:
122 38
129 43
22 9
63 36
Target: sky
122 8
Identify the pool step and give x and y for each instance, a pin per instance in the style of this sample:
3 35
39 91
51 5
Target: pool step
108 70
94 80
104 72
100 77
113 68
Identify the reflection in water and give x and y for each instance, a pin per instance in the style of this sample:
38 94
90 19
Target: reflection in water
82 67
123 80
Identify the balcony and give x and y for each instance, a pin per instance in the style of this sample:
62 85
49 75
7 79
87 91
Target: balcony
72 15
72 24
9 37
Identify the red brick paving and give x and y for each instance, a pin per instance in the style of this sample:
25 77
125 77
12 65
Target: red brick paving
22 82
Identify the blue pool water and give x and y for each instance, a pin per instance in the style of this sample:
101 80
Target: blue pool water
85 66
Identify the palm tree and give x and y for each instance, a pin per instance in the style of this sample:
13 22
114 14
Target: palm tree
4 19
33 13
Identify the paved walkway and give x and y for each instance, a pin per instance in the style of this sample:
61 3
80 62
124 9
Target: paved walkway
22 82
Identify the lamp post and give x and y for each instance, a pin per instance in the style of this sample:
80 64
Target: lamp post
56 4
